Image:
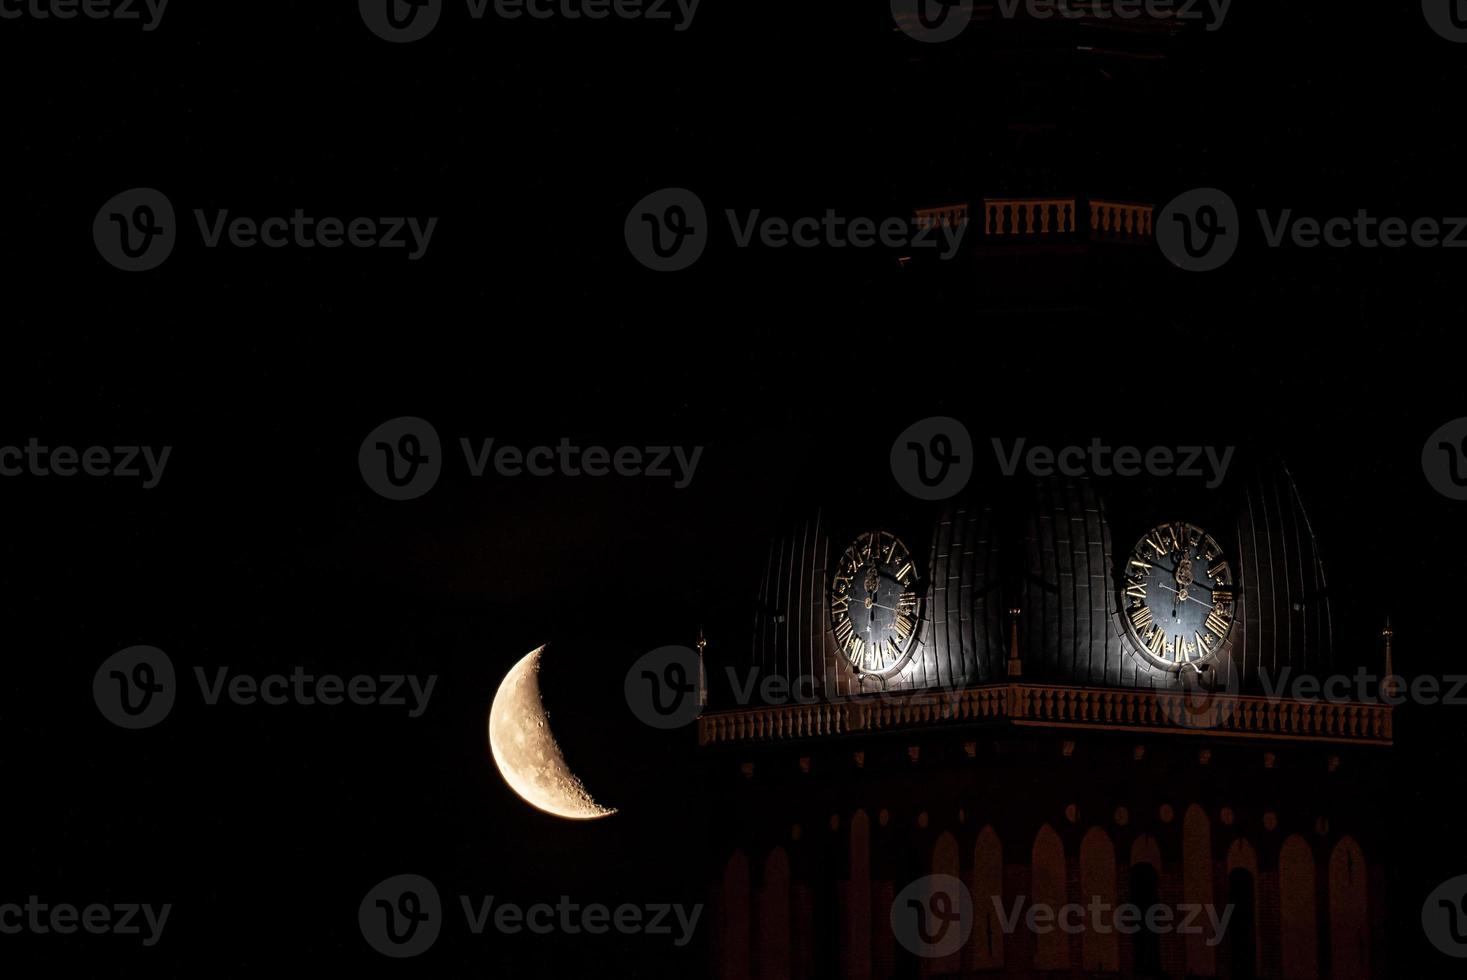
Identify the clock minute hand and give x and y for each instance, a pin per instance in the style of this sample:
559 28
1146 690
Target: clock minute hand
1190 598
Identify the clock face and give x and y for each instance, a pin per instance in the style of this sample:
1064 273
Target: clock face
875 604
1178 600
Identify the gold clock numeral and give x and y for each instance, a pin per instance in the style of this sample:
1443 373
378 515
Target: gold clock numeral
1220 572
1153 641
855 652
840 604
905 572
1221 597
904 626
1204 642
1144 566
890 651
844 631
891 553
1217 624
1141 618
907 603
1136 590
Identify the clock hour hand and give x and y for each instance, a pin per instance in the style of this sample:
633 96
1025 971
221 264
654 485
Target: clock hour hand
1190 598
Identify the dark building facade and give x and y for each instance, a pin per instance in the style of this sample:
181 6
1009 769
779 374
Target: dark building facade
1014 691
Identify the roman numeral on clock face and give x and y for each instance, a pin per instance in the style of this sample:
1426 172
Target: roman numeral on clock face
1216 624
1141 618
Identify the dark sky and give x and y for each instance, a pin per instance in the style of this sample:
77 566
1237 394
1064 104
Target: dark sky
262 548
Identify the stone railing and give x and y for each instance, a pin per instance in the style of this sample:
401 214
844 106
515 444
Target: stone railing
1113 220
1061 707
948 216
1003 216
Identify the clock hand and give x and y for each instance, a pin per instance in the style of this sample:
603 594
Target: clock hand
1189 598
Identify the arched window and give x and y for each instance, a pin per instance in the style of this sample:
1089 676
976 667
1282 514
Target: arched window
1349 927
1048 887
1299 918
944 862
1241 938
855 912
986 946
1197 884
1099 951
731 936
773 935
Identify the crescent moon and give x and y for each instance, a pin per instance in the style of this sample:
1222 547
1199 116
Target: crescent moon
525 750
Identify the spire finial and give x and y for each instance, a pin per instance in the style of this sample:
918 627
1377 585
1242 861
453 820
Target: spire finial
1390 666
1016 664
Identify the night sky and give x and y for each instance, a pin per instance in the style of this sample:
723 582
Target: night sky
527 321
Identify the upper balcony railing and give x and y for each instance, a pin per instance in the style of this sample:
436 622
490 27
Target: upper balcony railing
1049 219
1220 715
